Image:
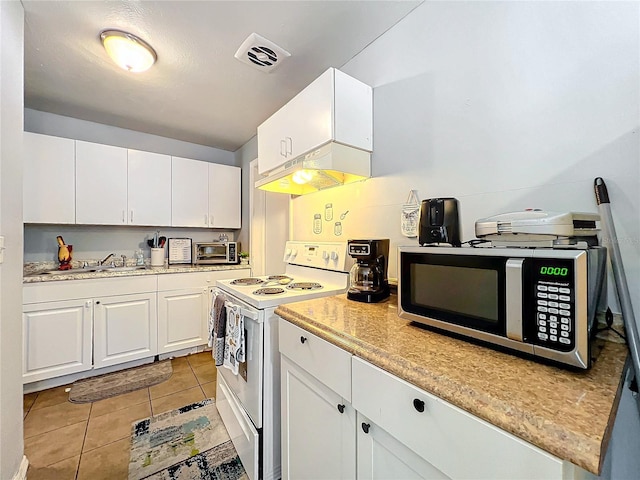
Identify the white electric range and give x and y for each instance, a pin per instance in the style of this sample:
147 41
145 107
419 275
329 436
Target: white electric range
249 402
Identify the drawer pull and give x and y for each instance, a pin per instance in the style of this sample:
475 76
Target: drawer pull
303 339
365 427
418 404
341 408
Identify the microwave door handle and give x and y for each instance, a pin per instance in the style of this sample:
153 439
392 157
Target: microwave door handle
513 281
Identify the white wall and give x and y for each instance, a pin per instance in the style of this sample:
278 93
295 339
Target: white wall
94 242
68 127
244 156
11 81
505 106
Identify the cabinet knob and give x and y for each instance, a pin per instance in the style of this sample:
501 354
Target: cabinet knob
365 427
418 405
97 302
341 408
303 339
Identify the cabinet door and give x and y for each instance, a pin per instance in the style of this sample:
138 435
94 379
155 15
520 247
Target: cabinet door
149 188
318 439
49 179
125 329
182 319
189 193
311 116
56 339
381 456
272 133
224 196
101 184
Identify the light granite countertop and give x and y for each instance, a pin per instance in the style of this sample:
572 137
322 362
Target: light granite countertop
35 272
569 414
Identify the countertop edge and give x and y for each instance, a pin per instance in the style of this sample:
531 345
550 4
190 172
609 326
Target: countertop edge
531 428
78 274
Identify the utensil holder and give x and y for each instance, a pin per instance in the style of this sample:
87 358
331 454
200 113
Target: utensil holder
157 257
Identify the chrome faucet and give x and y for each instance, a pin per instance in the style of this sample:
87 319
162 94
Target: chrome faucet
102 262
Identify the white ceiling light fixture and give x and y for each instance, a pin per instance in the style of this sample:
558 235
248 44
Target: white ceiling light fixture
128 51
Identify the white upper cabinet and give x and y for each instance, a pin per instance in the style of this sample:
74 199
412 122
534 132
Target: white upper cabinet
149 188
75 182
204 194
224 196
189 193
49 176
101 184
333 107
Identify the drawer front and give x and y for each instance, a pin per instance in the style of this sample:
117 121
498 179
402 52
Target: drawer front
443 434
99 287
327 363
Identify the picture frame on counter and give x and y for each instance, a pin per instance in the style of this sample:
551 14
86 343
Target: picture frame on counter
179 251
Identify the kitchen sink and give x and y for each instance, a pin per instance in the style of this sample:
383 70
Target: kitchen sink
95 269
111 269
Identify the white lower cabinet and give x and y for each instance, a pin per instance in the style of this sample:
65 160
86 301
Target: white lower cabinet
401 431
56 339
79 325
443 434
318 428
184 301
382 457
125 329
180 319
318 421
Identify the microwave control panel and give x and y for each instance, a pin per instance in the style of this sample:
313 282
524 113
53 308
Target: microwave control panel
553 296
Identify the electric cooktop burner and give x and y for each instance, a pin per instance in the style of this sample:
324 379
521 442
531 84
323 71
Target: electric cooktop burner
247 281
279 277
304 286
269 291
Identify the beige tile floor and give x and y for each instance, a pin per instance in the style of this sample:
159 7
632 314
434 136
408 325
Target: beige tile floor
68 441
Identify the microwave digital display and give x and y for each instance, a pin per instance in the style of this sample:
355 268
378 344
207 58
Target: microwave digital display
555 271
460 290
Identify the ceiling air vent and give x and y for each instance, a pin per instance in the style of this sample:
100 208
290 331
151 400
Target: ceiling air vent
261 53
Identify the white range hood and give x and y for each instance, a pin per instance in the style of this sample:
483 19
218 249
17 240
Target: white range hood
331 165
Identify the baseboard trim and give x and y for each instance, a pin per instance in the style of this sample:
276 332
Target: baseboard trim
21 474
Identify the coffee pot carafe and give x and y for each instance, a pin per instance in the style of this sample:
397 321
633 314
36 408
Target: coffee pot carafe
368 276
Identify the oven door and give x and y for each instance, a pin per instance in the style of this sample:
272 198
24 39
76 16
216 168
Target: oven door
247 384
446 289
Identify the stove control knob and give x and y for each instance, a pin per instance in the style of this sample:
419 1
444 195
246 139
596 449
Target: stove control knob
288 252
325 255
334 256
294 252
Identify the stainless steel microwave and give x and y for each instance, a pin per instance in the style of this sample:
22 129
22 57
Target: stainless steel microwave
212 253
540 302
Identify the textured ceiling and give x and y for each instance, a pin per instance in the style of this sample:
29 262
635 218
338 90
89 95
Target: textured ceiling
197 91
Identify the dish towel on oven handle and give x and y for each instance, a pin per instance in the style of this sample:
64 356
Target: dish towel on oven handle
234 344
217 327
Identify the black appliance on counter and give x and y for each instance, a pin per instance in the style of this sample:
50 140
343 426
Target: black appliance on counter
439 222
368 277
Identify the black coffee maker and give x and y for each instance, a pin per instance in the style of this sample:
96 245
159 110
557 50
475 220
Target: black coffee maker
368 276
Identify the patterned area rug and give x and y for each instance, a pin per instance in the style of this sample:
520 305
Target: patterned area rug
190 443
125 381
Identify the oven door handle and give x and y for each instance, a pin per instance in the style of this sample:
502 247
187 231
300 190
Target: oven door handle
244 312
